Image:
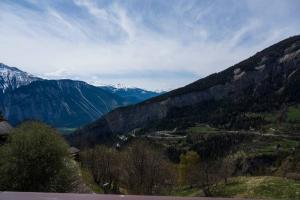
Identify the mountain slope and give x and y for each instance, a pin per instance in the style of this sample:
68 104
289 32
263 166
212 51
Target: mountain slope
62 103
266 81
12 78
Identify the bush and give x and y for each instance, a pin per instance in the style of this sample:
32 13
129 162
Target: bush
36 158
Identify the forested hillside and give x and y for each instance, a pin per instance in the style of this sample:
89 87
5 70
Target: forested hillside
240 97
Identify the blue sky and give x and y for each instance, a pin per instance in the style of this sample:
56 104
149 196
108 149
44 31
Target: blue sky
153 44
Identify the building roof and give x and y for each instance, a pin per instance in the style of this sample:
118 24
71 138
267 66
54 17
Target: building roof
73 150
5 128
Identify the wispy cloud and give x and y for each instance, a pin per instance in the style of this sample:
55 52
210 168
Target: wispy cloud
151 44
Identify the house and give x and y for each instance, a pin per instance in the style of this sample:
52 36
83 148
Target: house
74 152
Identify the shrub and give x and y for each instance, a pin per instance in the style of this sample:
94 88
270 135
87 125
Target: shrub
36 158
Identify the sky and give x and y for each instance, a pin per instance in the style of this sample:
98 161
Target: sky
151 44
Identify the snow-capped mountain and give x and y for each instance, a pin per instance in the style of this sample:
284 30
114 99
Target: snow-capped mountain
12 78
131 95
61 103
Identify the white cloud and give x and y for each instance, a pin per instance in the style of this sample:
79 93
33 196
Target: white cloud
93 9
107 40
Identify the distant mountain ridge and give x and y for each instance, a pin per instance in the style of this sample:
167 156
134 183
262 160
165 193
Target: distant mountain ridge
61 103
264 82
131 95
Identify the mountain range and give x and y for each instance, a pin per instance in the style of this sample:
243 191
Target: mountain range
131 95
231 99
61 103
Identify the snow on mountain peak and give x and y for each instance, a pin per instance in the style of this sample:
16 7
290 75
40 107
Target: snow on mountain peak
12 78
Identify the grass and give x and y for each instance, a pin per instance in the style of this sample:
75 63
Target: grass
285 145
89 181
293 114
263 187
186 192
201 128
290 123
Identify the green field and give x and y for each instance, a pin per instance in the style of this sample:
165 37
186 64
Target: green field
286 145
201 128
263 187
293 114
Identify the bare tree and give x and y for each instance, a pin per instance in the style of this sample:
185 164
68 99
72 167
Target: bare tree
229 163
228 167
105 167
146 171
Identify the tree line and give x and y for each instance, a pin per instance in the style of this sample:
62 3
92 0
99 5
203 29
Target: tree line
36 158
139 168
143 169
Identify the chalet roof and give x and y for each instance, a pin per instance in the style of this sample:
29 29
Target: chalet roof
5 128
74 150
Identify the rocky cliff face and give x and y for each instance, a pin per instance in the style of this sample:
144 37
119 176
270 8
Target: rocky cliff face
263 82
